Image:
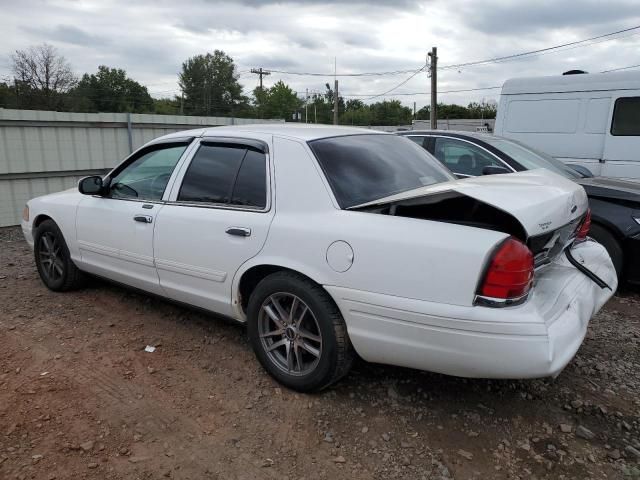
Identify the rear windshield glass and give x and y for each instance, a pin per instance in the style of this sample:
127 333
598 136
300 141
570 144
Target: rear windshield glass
363 168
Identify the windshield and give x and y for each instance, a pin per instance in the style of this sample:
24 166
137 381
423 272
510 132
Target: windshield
363 168
531 159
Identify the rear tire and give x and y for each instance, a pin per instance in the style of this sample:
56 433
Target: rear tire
609 242
298 333
53 260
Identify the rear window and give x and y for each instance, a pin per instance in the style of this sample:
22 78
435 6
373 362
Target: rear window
363 168
626 117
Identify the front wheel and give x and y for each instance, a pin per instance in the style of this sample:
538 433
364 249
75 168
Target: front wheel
53 260
298 333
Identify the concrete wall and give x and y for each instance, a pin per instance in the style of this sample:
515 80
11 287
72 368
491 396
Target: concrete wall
43 152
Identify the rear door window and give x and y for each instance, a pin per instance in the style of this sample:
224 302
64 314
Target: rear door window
626 117
226 174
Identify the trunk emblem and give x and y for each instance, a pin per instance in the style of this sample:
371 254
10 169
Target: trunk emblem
545 225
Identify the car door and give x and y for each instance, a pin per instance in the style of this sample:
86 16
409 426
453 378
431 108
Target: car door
217 218
115 231
464 158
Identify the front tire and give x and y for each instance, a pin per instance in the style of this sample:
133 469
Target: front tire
298 333
53 260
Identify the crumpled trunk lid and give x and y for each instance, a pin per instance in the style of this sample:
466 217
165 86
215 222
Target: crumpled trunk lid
541 201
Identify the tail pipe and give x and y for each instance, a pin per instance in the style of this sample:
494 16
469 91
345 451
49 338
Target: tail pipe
596 279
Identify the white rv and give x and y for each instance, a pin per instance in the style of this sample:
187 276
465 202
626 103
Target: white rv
591 120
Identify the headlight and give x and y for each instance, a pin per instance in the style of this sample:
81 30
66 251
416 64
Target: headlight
637 219
25 213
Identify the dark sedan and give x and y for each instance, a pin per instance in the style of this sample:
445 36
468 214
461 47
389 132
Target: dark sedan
615 203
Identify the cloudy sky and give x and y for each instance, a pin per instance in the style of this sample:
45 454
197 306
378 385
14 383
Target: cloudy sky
151 38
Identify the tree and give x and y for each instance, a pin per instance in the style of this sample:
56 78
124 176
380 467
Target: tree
210 85
7 96
390 112
110 90
42 77
483 110
167 106
279 101
453 111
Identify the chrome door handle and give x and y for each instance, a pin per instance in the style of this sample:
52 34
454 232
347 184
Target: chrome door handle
239 231
143 218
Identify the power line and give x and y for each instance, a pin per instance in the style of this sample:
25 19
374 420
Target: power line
398 85
424 93
621 68
466 64
360 74
538 51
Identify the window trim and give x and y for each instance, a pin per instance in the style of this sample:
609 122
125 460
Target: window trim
613 116
248 143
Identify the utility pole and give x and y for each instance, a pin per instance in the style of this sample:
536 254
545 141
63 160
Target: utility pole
335 103
306 105
261 73
433 72
182 104
414 110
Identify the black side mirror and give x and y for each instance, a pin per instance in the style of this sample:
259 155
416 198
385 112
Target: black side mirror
584 171
91 185
494 170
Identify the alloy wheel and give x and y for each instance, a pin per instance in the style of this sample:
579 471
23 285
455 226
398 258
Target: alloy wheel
50 253
290 334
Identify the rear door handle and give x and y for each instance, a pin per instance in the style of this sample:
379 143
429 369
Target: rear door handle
239 231
143 218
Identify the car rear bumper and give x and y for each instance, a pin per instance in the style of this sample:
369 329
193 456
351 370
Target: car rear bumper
535 339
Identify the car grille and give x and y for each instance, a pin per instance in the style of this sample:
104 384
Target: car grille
548 246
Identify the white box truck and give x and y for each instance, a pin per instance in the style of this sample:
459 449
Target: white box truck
591 120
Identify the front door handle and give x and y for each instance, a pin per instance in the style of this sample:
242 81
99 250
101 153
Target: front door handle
143 218
239 231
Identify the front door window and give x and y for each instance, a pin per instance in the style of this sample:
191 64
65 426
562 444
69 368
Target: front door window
147 176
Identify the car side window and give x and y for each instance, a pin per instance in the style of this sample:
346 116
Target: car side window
147 176
417 139
626 117
462 157
225 174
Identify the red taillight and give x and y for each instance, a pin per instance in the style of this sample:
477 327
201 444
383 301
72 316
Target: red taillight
583 231
510 272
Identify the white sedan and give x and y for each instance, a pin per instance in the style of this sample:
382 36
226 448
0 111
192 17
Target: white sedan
331 241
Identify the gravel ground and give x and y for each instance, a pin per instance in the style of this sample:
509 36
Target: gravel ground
80 398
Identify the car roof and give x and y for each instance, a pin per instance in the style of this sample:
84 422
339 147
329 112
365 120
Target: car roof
305 132
572 83
455 133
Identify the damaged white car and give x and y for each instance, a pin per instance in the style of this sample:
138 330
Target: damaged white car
330 241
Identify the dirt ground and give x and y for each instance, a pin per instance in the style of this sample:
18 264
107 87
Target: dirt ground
80 398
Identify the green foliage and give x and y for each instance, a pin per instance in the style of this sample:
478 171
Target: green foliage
388 112
279 101
166 106
8 97
110 90
453 111
210 85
